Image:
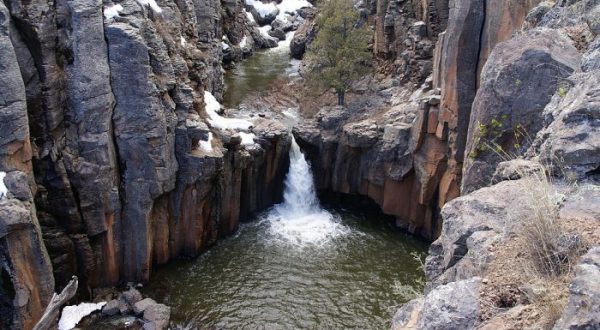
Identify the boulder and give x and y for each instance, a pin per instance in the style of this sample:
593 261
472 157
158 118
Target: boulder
517 82
516 169
408 315
571 142
361 134
452 306
264 13
140 306
472 223
111 308
277 33
583 308
283 25
132 296
302 38
263 40
157 317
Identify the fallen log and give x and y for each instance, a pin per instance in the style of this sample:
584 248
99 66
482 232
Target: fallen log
49 319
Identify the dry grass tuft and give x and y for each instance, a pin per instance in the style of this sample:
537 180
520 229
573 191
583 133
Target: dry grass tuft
552 250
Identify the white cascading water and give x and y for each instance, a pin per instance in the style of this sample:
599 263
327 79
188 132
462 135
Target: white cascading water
300 218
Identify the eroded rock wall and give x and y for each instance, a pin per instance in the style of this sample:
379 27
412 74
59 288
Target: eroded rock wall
103 107
419 166
483 228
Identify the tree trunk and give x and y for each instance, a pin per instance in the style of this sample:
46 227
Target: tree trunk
49 319
341 98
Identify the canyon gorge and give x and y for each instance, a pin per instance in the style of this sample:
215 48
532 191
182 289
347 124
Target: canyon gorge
129 140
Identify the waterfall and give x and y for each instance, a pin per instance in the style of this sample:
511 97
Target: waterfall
300 219
300 196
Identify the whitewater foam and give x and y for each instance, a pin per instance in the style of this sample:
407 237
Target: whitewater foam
300 219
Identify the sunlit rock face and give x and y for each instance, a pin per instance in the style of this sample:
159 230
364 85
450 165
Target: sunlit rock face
413 169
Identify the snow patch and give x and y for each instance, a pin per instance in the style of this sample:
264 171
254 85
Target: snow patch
264 31
247 138
182 41
112 11
218 121
291 6
71 315
3 189
224 45
290 113
250 17
263 9
152 4
243 42
206 145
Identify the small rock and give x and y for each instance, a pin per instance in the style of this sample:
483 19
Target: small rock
277 33
434 100
124 307
235 140
111 308
132 296
141 305
158 316
419 29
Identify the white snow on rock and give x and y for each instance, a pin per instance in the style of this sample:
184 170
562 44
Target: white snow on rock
112 11
224 45
250 17
218 121
291 6
71 315
264 31
183 41
247 138
243 42
152 4
206 145
3 189
263 9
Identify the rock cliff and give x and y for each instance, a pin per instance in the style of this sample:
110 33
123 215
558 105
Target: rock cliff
412 147
534 96
104 115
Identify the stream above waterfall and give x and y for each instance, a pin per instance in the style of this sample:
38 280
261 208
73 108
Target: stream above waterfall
256 73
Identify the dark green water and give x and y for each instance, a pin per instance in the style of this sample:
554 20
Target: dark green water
260 279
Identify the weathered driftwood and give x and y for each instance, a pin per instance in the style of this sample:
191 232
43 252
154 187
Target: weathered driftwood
48 320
